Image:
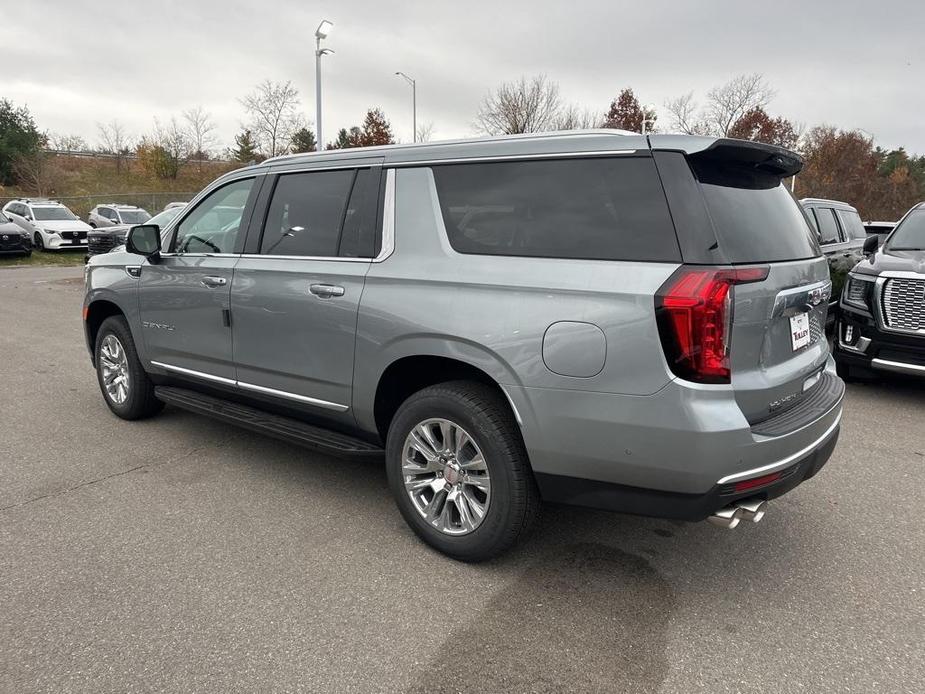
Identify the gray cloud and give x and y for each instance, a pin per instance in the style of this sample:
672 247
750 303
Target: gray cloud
850 64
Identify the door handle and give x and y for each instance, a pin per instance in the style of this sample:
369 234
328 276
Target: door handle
326 291
212 282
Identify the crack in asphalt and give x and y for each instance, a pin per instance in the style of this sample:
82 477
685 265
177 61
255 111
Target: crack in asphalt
88 483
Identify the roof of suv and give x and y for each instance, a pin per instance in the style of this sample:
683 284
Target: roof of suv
118 205
823 201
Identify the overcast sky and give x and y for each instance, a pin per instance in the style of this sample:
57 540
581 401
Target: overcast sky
75 63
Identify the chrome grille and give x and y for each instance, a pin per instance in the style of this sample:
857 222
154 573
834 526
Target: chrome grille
904 304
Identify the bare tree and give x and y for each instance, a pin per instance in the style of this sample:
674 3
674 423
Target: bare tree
37 172
728 103
573 117
67 143
114 140
523 106
165 151
425 131
272 110
201 131
683 110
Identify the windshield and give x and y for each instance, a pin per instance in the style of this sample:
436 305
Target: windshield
910 234
134 216
165 217
52 214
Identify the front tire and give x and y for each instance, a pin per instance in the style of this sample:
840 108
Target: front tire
125 385
459 470
39 241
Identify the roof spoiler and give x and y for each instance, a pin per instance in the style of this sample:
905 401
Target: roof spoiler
766 158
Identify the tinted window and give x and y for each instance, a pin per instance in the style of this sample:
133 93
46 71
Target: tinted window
214 224
910 235
607 209
306 213
852 224
755 216
828 228
358 237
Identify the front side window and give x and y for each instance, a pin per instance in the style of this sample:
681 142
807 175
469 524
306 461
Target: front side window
598 208
852 224
828 227
214 224
307 213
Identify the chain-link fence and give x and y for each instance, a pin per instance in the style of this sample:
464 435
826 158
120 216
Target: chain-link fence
82 204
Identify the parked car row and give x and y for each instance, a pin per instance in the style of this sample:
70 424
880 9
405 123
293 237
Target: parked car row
48 225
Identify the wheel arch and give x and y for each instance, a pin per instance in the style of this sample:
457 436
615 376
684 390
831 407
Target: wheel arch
408 374
98 311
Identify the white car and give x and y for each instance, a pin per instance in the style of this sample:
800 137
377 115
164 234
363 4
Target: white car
50 225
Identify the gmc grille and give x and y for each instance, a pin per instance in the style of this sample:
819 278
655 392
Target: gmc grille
904 304
100 244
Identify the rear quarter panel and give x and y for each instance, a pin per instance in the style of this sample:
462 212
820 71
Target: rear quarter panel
493 312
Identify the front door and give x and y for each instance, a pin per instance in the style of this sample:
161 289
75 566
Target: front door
184 296
295 298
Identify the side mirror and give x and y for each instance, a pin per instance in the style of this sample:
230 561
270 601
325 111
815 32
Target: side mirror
144 239
870 244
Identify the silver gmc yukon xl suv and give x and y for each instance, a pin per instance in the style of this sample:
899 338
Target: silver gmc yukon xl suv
596 318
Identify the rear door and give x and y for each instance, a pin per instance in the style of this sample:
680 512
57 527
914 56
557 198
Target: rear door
745 216
297 290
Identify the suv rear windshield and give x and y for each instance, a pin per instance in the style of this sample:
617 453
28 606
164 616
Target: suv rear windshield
910 235
609 208
756 218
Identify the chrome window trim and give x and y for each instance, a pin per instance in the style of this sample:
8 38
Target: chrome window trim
790 459
514 157
326 404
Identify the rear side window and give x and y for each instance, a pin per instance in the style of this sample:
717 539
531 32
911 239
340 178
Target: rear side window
306 213
852 224
756 218
600 209
828 228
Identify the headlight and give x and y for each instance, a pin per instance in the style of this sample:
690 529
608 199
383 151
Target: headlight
857 292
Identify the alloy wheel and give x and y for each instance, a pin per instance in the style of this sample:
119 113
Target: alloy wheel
446 476
114 369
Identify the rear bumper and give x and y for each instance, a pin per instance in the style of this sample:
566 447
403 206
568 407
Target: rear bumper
687 507
681 440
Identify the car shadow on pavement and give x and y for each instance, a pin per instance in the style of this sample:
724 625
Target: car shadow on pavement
611 608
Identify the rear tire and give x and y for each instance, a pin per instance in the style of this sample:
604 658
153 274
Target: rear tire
491 472
125 385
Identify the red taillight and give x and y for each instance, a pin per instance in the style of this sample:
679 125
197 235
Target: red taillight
694 312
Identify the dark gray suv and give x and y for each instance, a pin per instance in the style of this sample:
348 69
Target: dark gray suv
610 320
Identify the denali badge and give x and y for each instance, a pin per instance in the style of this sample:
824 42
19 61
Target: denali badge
159 326
777 404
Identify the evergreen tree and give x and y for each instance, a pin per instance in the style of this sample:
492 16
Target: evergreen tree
245 149
303 140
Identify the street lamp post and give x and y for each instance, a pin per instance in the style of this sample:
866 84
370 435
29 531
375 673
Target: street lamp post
320 33
414 104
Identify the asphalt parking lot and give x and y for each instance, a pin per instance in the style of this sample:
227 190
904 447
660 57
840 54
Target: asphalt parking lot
180 554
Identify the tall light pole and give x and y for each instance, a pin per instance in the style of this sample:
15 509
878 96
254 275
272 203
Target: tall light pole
414 104
320 33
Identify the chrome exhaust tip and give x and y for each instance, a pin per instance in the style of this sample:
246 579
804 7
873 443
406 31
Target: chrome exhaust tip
726 517
753 510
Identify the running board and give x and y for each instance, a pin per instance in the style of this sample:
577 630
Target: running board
284 428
